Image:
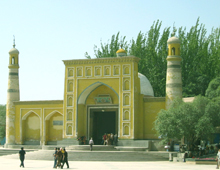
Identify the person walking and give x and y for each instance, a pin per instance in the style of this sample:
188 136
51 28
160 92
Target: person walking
21 156
65 159
218 159
59 157
91 143
55 157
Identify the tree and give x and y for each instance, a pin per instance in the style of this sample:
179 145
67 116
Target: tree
213 89
195 121
2 121
110 49
200 56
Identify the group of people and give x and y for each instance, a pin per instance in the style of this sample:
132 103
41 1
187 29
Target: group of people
60 158
109 139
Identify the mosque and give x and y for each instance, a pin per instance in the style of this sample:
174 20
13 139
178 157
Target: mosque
101 95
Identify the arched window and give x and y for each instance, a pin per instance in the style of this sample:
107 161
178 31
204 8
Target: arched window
173 51
116 70
126 115
70 72
70 86
13 60
70 101
69 115
126 100
126 85
69 129
126 129
107 71
126 70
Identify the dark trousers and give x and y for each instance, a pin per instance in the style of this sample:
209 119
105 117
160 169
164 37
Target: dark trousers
90 147
65 161
22 162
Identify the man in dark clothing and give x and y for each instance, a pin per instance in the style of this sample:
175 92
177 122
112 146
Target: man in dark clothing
55 157
65 159
59 157
21 156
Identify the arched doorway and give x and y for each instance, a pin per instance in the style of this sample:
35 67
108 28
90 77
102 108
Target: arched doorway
31 128
100 121
54 127
97 112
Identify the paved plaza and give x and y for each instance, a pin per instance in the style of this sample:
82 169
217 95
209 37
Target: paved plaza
86 160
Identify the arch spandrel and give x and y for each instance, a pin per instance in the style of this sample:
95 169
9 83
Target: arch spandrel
102 90
84 92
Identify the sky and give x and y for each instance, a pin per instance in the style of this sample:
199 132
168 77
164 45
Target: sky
49 31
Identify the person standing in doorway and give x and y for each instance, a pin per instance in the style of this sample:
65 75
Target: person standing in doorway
115 139
65 159
21 156
55 157
91 143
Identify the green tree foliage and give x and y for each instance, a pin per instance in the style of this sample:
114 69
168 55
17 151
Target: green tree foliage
200 54
2 120
195 121
198 58
213 90
109 49
151 48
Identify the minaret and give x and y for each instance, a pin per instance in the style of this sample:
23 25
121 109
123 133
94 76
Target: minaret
12 94
174 76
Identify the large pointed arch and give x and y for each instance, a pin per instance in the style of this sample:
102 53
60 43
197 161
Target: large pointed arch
28 113
52 113
50 134
24 121
87 91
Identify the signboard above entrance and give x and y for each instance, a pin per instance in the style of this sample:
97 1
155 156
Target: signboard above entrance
103 99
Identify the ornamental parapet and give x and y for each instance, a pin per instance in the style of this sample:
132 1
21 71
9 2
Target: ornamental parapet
102 60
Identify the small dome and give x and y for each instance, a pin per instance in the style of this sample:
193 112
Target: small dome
13 51
145 85
121 51
173 40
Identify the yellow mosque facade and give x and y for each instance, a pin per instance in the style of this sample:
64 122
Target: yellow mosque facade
102 95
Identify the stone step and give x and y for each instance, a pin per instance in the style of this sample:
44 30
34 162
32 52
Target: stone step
12 151
95 147
131 148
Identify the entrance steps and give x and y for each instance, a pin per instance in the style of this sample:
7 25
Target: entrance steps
4 151
94 147
67 142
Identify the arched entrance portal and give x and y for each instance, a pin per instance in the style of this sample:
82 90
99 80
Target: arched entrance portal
100 121
97 112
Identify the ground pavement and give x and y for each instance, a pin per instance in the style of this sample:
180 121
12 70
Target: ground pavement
94 160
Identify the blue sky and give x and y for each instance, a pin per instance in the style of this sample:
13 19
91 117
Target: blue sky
49 31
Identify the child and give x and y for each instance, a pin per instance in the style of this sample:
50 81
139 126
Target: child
218 159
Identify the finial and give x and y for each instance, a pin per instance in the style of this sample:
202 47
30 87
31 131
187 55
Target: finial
174 30
14 42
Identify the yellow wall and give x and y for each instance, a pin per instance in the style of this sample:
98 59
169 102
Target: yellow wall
152 106
34 121
117 74
54 132
31 131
